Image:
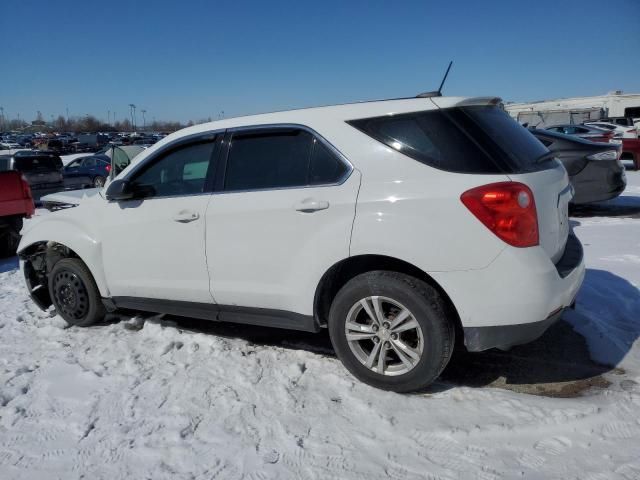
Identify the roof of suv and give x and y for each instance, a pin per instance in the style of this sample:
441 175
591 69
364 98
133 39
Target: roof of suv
326 115
347 111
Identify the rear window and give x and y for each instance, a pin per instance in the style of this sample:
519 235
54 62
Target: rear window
31 164
478 139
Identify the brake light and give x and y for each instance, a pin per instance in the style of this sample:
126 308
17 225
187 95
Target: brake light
26 189
108 168
508 209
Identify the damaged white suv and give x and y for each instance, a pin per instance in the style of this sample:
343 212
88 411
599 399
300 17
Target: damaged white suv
398 225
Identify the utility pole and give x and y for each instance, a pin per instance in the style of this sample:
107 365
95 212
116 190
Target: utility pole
144 120
133 117
2 117
109 117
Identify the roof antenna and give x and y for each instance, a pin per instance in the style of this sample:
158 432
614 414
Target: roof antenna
437 93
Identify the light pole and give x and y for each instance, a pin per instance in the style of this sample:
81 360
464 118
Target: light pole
2 116
133 117
144 120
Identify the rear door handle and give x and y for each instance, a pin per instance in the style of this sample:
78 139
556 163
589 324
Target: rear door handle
186 216
309 205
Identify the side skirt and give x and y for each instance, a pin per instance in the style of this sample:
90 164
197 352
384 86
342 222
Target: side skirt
223 313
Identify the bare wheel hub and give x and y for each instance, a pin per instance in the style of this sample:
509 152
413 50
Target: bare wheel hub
71 295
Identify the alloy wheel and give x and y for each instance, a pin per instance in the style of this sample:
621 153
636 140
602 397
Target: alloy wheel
384 335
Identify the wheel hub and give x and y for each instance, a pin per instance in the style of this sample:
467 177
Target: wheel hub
384 335
70 295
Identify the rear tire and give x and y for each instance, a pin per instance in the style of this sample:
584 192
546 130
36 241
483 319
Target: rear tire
98 182
391 331
74 293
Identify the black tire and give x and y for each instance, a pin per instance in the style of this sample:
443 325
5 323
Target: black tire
10 238
74 293
425 305
98 181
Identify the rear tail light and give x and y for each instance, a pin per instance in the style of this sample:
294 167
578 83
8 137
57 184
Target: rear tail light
606 155
508 209
26 189
108 168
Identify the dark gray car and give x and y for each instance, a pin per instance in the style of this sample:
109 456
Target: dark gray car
594 168
42 170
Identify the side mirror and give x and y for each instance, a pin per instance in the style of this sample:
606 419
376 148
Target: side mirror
119 190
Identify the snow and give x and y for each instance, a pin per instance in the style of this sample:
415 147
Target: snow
150 398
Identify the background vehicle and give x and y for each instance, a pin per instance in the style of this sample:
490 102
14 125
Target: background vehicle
89 171
341 217
631 152
16 203
9 145
619 131
594 169
91 142
593 134
42 170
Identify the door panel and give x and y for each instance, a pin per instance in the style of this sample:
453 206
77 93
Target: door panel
269 248
155 247
150 251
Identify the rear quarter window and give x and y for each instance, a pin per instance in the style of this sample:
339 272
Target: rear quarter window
479 139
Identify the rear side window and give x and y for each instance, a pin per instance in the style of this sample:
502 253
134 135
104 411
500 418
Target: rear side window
325 167
280 159
4 163
478 139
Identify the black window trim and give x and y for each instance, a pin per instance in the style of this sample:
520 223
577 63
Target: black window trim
265 128
182 142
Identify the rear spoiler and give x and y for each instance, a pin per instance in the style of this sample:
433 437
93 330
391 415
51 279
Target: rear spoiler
449 102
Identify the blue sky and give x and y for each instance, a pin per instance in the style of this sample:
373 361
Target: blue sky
184 60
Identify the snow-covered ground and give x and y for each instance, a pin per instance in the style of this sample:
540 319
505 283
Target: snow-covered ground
153 399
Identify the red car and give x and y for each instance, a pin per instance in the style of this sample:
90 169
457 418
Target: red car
631 151
16 203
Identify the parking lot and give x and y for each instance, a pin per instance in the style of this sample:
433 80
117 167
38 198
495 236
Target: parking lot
162 397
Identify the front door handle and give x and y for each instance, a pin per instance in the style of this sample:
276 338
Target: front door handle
186 216
309 205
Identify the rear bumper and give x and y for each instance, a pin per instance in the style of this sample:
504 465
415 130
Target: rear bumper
477 339
517 297
599 181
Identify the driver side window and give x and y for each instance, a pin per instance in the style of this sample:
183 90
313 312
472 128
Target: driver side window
180 172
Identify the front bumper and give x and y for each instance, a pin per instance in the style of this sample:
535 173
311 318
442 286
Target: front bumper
517 297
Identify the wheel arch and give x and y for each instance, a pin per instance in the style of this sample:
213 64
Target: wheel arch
74 242
343 271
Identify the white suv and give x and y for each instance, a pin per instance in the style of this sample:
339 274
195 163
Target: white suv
398 225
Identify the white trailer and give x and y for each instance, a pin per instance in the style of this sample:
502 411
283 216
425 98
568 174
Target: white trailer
614 104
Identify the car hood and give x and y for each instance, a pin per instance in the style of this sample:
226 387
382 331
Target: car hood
73 197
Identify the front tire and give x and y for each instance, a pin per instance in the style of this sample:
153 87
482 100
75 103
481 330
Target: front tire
10 238
391 331
74 293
